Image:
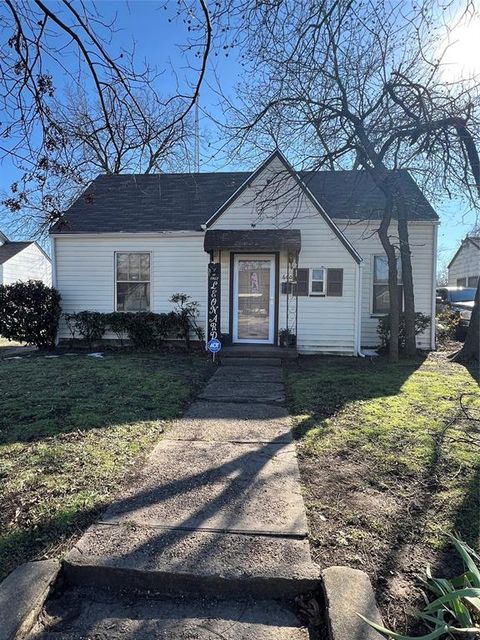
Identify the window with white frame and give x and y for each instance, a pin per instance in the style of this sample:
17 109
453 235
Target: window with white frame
317 282
132 281
381 296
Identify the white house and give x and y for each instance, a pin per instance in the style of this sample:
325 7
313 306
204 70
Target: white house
21 261
260 252
464 267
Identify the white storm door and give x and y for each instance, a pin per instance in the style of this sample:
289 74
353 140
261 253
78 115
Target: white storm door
254 298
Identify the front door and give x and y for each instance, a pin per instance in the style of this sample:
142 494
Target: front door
254 298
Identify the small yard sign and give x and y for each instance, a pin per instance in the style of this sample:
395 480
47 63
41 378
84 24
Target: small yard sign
214 345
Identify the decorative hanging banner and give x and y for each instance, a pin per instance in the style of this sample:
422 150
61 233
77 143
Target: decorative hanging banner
213 327
254 282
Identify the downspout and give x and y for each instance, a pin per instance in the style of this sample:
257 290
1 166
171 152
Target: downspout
53 254
358 310
433 342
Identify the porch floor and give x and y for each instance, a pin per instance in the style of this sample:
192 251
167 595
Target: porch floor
258 351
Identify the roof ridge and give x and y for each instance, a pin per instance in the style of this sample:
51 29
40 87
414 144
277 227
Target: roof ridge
173 173
241 172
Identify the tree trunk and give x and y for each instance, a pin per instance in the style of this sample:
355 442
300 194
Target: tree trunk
471 346
383 179
407 280
392 281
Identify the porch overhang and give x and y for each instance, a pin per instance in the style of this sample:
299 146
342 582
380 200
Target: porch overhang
253 240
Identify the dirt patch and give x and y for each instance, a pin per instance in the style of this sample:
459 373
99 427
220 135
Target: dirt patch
389 464
353 523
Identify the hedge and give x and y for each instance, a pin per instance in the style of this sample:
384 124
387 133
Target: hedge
29 312
144 329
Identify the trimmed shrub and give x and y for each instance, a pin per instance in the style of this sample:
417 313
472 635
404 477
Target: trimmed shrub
29 312
149 330
89 325
117 322
187 312
422 322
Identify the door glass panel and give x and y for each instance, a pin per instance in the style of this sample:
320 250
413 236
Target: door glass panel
253 299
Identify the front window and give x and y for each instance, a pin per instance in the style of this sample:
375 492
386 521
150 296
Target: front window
133 281
381 297
317 283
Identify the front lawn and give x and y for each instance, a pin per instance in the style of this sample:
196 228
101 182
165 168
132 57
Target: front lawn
71 429
389 462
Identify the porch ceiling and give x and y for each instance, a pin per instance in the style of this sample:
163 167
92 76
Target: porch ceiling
253 239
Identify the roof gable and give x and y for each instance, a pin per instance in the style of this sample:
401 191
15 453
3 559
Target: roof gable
287 170
10 249
475 242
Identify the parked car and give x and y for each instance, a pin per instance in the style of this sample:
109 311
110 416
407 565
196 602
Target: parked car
461 300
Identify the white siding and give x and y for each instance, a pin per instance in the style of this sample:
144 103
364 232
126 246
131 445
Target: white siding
465 265
325 324
86 273
28 264
365 239
86 279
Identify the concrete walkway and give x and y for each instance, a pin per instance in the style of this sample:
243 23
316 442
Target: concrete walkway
217 509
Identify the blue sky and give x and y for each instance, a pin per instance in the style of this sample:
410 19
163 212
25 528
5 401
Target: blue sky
157 40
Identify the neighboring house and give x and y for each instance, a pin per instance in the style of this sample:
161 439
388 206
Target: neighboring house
464 267
296 251
23 261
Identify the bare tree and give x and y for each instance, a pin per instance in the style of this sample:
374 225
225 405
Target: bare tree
347 84
125 121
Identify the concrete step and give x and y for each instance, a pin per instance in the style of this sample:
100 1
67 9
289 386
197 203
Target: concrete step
173 562
258 351
251 362
88 613
220 390
245 373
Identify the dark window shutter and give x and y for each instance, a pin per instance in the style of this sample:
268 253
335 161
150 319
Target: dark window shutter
334 282
301 277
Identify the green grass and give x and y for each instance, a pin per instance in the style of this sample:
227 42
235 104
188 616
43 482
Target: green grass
71 428
389 463
393 415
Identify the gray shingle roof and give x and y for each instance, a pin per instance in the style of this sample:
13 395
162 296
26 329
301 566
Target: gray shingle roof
179 201
10 249
354 195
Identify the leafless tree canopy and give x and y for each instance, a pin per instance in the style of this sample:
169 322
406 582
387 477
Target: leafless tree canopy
71 107
320 68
